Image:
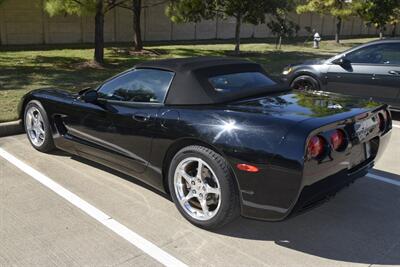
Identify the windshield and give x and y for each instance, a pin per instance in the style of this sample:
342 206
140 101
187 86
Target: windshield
240 81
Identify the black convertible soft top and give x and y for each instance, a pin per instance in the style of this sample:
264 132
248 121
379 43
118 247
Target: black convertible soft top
190 85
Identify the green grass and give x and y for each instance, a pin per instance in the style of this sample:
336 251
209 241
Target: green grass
24 70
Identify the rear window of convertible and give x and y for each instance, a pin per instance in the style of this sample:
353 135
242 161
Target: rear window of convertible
240 81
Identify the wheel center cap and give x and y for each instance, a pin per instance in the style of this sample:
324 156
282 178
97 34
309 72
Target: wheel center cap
198 185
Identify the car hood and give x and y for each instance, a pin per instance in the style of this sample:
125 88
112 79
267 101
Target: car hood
298 106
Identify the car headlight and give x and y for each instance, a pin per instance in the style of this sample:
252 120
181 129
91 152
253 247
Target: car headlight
286 71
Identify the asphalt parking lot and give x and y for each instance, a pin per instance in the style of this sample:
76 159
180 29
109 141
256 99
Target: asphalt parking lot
38 227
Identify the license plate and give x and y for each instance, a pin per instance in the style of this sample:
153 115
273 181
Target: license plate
364 127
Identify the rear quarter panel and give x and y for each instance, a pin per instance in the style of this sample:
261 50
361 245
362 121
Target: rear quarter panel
241 137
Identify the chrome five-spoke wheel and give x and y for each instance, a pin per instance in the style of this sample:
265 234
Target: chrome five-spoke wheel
35 126
197 188
203 187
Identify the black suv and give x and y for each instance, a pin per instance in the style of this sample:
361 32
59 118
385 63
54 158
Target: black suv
370 71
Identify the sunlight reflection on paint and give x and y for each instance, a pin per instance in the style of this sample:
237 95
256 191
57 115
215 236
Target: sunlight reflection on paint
230 128
226 127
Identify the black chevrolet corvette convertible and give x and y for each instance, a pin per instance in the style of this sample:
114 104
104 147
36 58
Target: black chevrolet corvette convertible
217 134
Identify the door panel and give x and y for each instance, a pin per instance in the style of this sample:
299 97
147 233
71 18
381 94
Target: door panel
370 82
119 127
374 72
354 80
109 133
87 121
386 81
132 133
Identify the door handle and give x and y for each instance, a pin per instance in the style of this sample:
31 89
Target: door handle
141 117
394 72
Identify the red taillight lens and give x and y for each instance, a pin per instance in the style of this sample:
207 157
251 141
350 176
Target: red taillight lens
247 167
338 139
316 147
382 122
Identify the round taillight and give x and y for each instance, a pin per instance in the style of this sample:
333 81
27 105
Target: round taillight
382 122
316 147
338 139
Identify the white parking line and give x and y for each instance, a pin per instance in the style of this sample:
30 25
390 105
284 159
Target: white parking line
396 126
383 179
118 228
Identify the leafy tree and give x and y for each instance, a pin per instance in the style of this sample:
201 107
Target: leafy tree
281 26
378 12
243 11
86 7
340 9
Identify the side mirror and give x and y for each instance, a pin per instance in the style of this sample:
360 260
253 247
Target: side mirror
342 61
90 96
81 92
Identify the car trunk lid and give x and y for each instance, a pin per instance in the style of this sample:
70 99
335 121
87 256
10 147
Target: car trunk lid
300 106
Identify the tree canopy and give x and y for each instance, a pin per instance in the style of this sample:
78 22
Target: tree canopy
243 11
250 11
71 7
340 9
378 12
281 26
336 8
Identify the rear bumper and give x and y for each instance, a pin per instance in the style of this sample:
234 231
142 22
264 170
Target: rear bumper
313 194
322 190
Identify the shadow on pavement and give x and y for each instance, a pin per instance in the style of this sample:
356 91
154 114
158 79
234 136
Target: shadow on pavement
360 225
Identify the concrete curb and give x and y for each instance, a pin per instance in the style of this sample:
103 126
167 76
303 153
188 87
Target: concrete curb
11 128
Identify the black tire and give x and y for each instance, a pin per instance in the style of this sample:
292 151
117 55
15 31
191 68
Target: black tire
305 83
48 144
229 207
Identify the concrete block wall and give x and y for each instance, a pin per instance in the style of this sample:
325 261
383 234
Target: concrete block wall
22 22
25 22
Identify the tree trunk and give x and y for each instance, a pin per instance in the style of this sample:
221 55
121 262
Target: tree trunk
278 44
137 35
394 28
338 29
237 34
381 30
99 33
